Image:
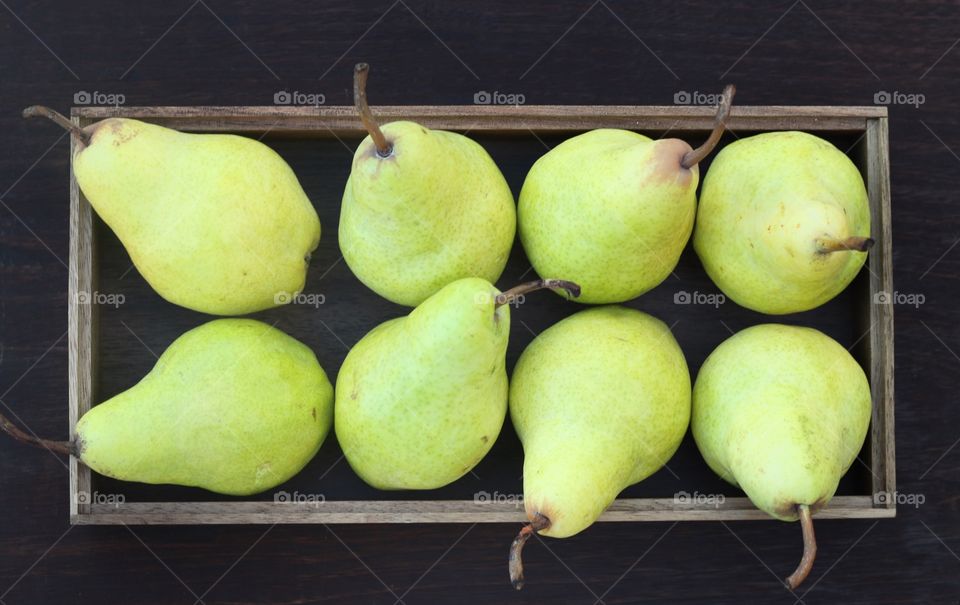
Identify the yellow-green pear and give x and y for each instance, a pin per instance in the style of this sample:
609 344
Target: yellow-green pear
234 406
216 223
600 400
421 398
784 222
782 412
422 208
612 209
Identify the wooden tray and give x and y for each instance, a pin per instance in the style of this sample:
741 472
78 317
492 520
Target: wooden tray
112 345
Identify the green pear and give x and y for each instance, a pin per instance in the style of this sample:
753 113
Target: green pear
612 209
422 398
234 406
216 223
600 400
782 412
422 208
784 222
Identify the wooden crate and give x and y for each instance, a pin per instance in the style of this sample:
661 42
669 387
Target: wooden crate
866 126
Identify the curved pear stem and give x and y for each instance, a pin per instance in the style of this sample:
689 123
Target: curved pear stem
856 243
384 148
515 565
41 111
695 156
809 549
511 295
68 448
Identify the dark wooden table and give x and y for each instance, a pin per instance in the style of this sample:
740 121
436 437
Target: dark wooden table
219 53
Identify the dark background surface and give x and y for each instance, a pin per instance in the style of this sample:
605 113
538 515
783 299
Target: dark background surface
209 53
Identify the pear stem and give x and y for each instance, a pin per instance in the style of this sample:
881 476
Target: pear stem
40 111
695 156
856 243
511 295
360 72
68 448
515 565
809 549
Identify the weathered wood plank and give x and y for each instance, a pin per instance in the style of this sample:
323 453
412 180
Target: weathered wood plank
324 121
441 511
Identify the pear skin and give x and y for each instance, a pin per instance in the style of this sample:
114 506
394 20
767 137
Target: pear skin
782 412
215 223
783 223
612 210
234 406
423 208
600 401
422 398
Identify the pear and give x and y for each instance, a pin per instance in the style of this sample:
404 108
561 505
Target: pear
782 412
784 222
216 223
422 208
422 398
234 406
612 209
600 400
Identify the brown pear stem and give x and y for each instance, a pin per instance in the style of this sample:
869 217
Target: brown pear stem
384 148
856 243
508 297
515 565
695 156
40 111
809 549
68 448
